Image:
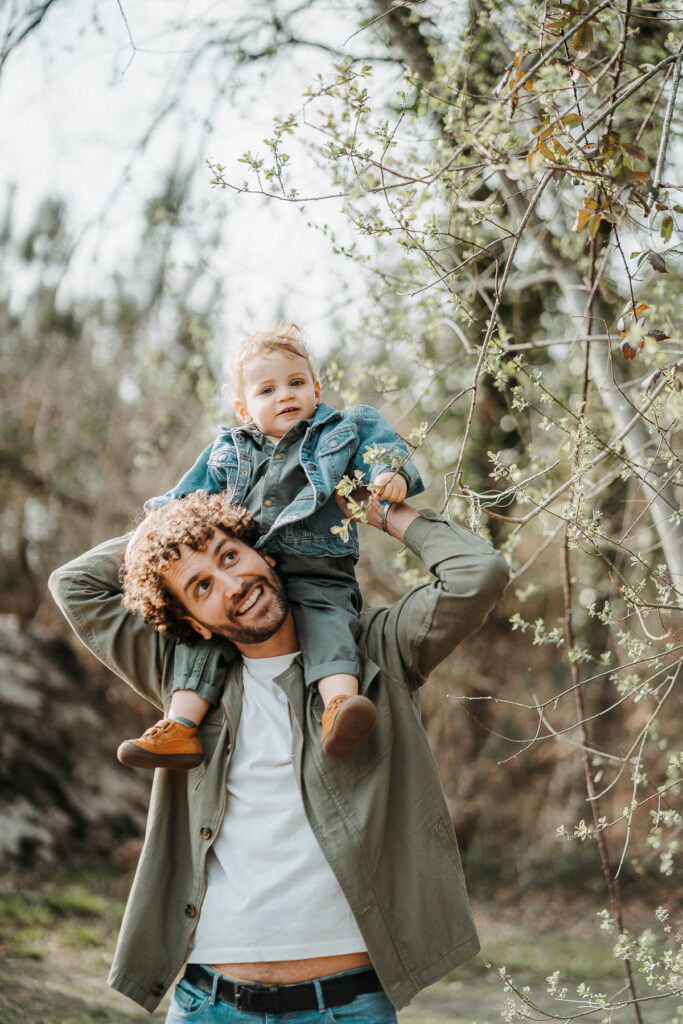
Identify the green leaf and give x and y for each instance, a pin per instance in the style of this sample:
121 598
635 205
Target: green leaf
667 227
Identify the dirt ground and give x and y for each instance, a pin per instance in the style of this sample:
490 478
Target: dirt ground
56 943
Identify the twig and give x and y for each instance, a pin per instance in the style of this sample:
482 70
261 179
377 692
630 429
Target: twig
666 127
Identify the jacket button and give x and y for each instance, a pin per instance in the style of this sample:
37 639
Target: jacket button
279 456
312 465
190 910
205 832
322 498
268 503
157 989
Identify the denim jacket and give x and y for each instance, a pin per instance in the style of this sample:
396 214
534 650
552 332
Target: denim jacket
332 446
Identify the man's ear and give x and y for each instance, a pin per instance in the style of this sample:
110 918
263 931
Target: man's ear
242 412
204 633
271 561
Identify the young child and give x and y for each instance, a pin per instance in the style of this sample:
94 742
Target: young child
283 464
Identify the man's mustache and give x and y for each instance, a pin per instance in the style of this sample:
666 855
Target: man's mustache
258 581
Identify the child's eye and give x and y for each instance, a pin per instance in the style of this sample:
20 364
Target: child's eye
297 383
267 390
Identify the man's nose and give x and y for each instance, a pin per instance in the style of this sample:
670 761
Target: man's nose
230 586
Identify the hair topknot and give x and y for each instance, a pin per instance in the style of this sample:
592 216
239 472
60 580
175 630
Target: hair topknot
192 521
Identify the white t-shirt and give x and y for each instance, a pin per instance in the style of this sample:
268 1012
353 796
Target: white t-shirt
271 895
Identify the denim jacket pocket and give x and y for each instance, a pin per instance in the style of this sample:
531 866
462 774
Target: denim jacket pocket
335 452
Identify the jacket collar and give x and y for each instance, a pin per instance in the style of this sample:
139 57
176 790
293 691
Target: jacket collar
323 414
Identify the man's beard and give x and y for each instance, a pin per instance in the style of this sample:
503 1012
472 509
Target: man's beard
269 623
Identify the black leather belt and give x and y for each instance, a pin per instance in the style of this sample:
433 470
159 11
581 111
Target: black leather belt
284 998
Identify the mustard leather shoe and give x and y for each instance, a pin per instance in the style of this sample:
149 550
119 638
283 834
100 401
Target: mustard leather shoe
346 721
168 744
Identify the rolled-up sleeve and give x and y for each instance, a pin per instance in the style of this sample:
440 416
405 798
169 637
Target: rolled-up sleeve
421 629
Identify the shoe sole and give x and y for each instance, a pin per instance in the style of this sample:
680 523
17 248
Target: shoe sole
136 757
356 718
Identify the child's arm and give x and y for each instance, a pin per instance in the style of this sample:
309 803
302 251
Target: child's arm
198 478
393 464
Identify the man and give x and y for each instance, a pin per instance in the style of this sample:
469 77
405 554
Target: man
286 880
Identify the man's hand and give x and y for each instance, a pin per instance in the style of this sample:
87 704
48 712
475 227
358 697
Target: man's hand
138 536
393 518
391 486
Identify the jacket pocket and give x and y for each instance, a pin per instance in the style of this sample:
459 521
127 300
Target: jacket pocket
335 452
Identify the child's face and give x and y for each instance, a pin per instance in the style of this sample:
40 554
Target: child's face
278 391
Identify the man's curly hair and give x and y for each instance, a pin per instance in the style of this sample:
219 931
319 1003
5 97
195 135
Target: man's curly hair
191 520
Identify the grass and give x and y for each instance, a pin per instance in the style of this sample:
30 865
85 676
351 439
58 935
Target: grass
57 939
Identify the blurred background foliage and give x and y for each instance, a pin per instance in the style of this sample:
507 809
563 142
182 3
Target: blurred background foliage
510 180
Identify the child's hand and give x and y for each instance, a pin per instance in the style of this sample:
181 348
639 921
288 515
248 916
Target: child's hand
391 486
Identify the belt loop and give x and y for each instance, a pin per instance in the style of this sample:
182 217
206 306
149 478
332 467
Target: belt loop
319 994
214 989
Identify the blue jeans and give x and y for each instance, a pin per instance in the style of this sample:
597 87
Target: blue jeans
190 1004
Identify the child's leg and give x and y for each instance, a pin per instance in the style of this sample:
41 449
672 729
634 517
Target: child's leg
347 718
174 741
337 684
188 707
326 603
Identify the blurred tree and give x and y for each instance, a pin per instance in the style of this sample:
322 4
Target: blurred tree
511 178
105 395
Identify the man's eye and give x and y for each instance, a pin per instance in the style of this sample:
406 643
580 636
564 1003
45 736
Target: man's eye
228 557
202 588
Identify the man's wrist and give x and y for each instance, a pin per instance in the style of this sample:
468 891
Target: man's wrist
397 517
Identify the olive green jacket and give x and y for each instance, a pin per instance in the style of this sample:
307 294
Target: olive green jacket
380 815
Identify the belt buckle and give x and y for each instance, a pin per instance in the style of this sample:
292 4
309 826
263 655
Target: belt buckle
243 994
256 998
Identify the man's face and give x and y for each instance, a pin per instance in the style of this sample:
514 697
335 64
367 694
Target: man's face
229 590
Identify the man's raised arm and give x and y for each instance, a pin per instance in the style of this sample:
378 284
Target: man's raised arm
88 592
417 632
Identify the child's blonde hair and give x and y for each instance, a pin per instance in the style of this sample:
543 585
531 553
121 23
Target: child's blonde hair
280 337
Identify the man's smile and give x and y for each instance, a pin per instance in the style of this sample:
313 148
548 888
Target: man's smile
250 600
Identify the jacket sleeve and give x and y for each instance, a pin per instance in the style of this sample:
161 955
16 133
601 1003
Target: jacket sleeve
376 431
415 634
198 478
88 592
